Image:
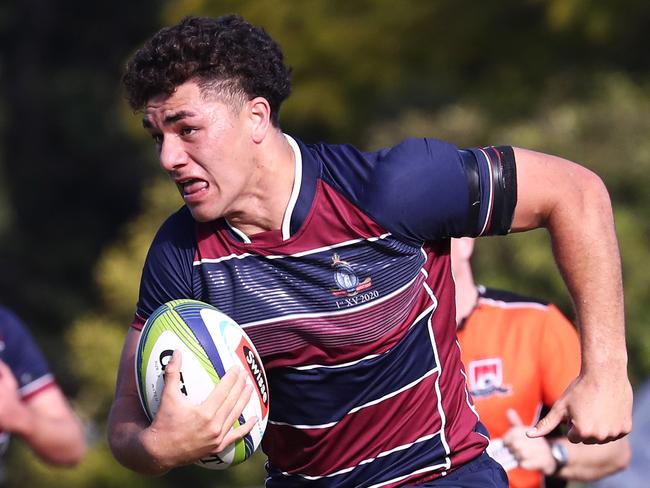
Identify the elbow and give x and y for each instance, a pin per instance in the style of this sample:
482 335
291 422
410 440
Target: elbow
65 451
67 457
76 450
117 446
593 191
125 455
73 456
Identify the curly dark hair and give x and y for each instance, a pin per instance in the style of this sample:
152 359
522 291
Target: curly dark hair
226 55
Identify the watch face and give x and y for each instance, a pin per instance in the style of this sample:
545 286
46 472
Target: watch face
560 454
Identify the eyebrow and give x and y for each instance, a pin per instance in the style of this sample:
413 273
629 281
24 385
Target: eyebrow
169 119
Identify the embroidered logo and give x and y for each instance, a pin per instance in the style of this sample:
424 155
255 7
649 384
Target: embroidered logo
346 280
486 378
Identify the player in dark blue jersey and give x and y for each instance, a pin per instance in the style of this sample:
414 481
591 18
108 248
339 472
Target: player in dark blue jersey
31 404
336 263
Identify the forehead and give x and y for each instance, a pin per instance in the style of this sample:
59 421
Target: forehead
187 100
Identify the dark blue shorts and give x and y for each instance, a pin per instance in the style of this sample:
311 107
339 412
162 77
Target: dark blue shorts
482 472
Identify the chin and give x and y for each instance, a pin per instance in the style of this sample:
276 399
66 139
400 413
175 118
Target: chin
203 216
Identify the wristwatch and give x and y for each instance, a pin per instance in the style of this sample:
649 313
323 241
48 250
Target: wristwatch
560 454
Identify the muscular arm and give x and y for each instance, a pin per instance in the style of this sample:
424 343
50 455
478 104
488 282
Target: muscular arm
181 433
45 421
573 204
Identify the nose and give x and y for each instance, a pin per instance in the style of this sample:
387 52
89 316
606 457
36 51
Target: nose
172 156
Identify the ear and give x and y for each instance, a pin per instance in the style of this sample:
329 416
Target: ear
259 114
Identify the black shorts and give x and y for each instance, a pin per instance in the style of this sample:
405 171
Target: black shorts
482 472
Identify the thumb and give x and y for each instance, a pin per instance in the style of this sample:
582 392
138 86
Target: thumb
514 418
546 425
172 375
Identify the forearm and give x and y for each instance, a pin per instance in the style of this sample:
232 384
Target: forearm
592 462
574 205
585 246
56 440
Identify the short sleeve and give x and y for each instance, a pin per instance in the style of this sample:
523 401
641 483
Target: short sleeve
559 356
23 356
425 189
167 271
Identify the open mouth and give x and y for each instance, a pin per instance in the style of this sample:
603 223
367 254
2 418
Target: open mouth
192 186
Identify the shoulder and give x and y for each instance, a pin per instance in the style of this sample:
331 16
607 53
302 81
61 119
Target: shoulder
343 162
178 228
416 189
176 238
12 327
526 311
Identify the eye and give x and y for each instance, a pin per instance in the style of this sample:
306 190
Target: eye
158 139
187 131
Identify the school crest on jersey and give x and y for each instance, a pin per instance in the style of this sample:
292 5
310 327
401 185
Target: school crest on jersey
346 280
486 378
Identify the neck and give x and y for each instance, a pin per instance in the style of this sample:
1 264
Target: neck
271 188
466 292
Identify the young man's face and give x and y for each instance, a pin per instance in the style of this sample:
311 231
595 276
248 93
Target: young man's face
205 147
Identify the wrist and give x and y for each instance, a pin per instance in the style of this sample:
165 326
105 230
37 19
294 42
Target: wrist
560 455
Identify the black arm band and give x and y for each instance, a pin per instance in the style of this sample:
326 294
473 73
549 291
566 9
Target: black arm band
470 166
492 189
504 171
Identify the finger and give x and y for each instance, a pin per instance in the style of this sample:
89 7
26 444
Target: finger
233 405
514 418
237 408
546 425
227 420
237 433
234 378
574 436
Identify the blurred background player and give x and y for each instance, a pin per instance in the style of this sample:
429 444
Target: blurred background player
520 354
31 404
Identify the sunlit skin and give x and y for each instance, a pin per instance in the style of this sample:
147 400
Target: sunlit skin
226 158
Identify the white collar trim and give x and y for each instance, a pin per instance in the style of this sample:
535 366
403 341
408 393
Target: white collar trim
295 191
297 181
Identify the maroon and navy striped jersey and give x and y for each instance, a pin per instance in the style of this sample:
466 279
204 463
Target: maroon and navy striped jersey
351 307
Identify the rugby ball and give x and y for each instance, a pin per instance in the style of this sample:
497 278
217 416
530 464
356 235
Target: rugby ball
210 343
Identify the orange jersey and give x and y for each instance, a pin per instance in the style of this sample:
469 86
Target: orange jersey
519 353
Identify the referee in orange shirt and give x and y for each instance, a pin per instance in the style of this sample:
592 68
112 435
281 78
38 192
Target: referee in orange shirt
520 354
